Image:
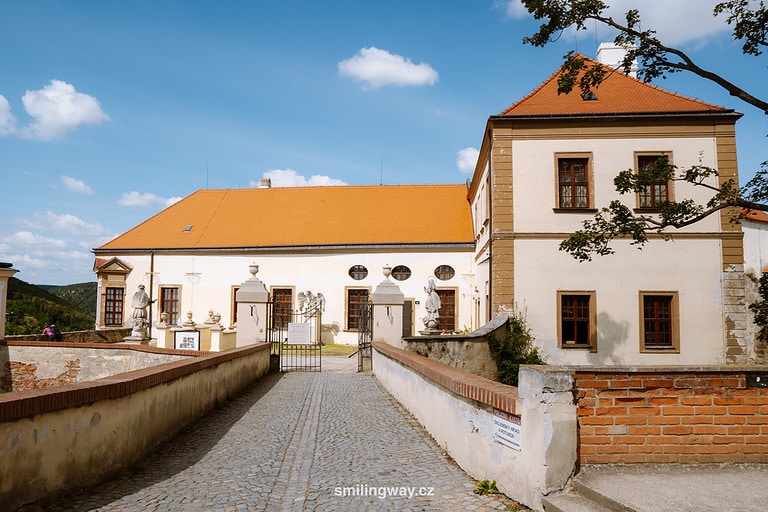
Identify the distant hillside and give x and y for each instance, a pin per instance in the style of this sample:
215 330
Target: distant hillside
82 295
30 308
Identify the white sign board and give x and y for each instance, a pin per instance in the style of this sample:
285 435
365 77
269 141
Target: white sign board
299 333
507 429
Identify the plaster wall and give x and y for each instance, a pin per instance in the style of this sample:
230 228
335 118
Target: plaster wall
216 274
73 439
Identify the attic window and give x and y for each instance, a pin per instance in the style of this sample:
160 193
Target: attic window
188 228
589 96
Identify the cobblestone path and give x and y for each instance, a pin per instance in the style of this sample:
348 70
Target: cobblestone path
296 442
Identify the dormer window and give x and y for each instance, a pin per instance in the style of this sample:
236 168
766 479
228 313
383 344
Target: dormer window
589 96
188 228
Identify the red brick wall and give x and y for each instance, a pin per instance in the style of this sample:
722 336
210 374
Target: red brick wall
670 417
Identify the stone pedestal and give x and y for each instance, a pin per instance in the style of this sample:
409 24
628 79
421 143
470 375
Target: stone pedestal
388 300
252 299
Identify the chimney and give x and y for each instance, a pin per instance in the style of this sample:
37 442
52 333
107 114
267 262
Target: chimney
612 54
265 183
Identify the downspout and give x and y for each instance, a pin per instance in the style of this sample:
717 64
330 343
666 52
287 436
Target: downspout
151 288
489 187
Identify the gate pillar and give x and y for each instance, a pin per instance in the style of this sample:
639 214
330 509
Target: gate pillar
5 274
251 298
387 301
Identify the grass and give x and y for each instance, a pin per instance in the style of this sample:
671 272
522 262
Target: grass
339 350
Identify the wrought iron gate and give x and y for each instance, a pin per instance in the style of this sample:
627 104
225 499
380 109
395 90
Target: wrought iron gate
364 338
295 335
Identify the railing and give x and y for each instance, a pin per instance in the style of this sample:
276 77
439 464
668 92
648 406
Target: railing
364 338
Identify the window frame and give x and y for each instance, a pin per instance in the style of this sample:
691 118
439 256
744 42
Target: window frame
358 270
282 319
120 310
442 312
590 182
674 304
400 270
592 327
347 311
161 302
669 184
440 272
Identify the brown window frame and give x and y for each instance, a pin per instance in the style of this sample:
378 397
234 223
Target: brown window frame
164 303
358 272
401 273
353 314
448 310
587 182
672 323
282 310
114 316
445 272
650 199
590 319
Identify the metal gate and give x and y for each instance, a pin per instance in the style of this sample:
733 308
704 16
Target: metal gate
364 338
295 334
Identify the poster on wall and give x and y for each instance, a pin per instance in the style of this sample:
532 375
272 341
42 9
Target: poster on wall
507 429
186 340
299 333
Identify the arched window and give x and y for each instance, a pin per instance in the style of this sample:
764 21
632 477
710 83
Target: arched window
358 272
401 273
444 272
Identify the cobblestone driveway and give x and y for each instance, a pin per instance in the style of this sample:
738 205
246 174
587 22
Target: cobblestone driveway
295 442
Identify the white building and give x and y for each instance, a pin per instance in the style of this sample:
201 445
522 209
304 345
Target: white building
546 164
192 256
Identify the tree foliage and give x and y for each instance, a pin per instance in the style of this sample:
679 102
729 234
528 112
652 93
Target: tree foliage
749 21
516 347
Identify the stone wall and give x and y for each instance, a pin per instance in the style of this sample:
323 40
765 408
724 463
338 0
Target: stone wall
102 336
697 415
38 365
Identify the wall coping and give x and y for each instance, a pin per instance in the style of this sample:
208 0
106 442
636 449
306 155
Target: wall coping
478 335
467 385
22 404
726 368
103 346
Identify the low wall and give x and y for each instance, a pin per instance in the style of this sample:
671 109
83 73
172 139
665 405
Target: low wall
460 411
468 352
672 415
69 436
38 365
101 336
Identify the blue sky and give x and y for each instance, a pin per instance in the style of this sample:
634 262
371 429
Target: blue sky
110 111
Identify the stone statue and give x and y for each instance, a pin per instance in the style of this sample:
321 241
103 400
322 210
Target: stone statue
432 306
140 302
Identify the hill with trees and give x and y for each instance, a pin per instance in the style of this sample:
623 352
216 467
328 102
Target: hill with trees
30 308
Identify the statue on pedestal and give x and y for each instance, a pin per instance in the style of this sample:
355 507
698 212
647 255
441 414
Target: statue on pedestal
139 303
432 306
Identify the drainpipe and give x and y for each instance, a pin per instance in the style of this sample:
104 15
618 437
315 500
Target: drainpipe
151 288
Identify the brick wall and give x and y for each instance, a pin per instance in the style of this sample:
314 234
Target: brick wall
671 417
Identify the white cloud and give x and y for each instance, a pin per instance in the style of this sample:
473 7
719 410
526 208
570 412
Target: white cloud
64 223
7 121
25 260
378 68
466 159
76 186
58 108
290 178
675 23
146 199
31 240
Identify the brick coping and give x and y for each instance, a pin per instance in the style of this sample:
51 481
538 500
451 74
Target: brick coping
105 346
473 387
23 404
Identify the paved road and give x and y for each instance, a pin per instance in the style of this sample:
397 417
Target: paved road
331 441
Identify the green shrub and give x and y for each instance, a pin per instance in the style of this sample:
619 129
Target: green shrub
513 349
760 310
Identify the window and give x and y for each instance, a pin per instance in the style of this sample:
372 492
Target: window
169 303
282 313
573 182
357 302
656 192
358 272
234 306
447 311
578 321
444 272
659 324
401 273
113 307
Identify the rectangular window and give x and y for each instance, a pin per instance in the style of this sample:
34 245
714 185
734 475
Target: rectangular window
234 306
282 314
113 307
357 301
578 320
659 324
654 193
573 182
169 303
447 311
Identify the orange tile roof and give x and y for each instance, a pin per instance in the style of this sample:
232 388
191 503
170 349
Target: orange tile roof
755 215
309 216
618 94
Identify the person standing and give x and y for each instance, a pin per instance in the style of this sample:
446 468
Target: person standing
56 333
49 332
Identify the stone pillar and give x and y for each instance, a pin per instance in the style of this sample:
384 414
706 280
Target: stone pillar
387 300
252 298
5 273
164 334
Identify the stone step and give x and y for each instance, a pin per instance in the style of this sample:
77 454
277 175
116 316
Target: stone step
571 502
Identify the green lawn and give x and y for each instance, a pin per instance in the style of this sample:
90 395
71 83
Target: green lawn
339 350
